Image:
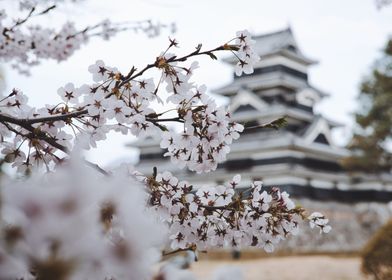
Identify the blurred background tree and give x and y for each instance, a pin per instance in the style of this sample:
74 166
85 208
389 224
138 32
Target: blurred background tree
376 256
2 87
371 142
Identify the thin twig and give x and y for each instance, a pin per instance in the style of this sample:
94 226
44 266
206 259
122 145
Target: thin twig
177 119
179 250
43 136
171 60
97 167
275 124
31 14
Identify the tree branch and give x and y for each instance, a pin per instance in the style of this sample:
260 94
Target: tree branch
26 124
97 167
177 251
275 124
176 119
129 78
30 14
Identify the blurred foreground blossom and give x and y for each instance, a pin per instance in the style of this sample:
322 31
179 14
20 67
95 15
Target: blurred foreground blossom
75 224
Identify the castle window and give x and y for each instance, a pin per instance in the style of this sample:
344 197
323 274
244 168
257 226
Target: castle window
322 139
292 48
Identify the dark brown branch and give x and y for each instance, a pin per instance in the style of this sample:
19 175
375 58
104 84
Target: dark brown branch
25 122
20 122
129 78
83 31
179 250
211 208
177 119
196 53
10 128
21 21
34 133
47 10
53 118
30 14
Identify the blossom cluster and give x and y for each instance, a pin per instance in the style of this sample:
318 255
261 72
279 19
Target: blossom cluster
73 224
25 44
246 56
76 224
317 219
225 215
207 129
32 137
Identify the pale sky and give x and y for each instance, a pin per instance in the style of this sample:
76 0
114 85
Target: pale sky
345 36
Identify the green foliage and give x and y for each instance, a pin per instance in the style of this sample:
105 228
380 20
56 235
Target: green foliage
276 124
377 254
369 143
2 160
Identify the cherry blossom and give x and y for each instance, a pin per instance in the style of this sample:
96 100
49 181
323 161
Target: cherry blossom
247 57
224 216
316 219
25 44
123 221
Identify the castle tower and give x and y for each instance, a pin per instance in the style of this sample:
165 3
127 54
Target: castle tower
301 155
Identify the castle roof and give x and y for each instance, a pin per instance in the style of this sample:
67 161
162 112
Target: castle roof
279 42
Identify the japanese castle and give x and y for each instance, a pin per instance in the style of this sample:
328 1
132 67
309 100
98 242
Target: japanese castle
300 158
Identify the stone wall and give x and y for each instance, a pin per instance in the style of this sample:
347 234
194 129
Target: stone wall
352 226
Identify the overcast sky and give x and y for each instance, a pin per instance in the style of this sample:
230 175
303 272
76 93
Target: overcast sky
345 36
